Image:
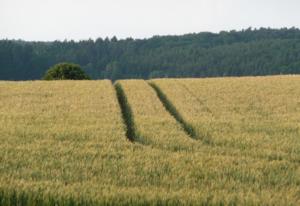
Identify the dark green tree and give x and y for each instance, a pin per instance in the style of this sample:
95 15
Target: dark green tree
251 51
63 71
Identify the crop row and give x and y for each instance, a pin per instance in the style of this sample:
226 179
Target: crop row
249 114
65 143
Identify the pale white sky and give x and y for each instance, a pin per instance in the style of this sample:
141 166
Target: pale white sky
49 20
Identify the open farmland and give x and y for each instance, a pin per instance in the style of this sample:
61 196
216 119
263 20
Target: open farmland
218 141
152 123
261 113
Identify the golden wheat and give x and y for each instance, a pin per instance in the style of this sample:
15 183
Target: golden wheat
246 113
153 124
64 143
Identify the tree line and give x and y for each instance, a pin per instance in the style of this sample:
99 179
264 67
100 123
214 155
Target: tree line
261 51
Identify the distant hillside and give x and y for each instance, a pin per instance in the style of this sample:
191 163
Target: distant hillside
234 53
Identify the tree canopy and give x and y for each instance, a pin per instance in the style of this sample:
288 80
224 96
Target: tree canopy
64 71
234 53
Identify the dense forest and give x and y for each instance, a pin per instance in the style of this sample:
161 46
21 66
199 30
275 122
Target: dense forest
234 53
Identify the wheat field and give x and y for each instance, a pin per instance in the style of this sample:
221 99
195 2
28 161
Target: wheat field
215 141
245 113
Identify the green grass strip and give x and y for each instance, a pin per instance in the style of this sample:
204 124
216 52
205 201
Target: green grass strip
173 111
126 113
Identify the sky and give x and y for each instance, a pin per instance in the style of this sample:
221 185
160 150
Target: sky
48 20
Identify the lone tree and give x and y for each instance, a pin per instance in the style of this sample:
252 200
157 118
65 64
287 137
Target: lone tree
64 71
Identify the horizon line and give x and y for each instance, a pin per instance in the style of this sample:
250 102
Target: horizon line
153 36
